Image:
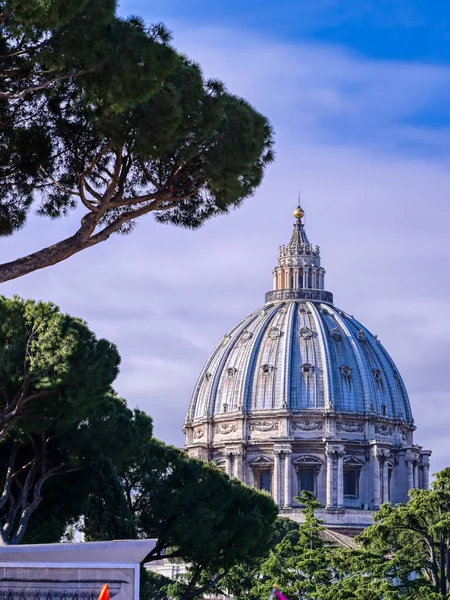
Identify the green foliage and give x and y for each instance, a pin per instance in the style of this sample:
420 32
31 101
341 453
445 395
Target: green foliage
405 555
58 413
416 539
174 495
302 566
49 362
197 514
102 113
106 513
153 586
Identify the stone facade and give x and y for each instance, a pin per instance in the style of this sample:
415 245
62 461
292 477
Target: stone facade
350 463
301 396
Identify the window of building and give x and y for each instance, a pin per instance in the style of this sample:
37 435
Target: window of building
265 481
377 374
307 480
346 370
351 482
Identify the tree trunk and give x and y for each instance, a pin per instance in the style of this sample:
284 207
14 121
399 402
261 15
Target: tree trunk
43 258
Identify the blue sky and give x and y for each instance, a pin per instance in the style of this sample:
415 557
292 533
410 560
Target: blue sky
380 29
380 32
359 94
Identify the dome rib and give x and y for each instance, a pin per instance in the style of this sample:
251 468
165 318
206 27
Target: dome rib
219 375
327 373
253 359
318 370
359 360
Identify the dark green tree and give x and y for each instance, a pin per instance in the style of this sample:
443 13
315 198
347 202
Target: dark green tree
240 579
300 566
153 586
106 513
410 544
58 413
114 61
155 137
196 514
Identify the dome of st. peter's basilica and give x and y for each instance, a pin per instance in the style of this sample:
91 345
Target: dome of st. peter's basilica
301 396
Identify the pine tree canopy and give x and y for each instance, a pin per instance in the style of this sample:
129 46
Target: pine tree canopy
58 414
102 114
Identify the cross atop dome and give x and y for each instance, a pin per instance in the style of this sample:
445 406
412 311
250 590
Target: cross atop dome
299 274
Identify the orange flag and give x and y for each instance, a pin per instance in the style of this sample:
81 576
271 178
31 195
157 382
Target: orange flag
104 593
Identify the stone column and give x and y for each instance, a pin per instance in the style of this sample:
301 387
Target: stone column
296 279
376 479
340 477
385 478
287 479
229 464
425 472
287 279
314 277
416 474
330 478
410 466
238 466
274 280
305 277
277 477
252 482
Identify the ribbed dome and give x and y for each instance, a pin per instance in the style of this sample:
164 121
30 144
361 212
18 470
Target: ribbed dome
300 355
300 396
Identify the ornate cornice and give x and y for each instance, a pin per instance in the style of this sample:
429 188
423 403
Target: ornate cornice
313 295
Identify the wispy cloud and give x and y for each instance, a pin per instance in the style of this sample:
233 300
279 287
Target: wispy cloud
351 134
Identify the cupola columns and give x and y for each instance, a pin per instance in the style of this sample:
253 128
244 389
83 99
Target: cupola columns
299 273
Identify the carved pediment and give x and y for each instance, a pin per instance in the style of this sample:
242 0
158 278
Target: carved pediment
305 333
346 370
246 335
274 333
352 461
231 372
261 461
266 369
226 339
308 459
336 334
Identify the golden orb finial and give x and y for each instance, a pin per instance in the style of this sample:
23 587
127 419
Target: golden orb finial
299 213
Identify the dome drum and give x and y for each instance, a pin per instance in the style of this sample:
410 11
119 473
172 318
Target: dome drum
301 396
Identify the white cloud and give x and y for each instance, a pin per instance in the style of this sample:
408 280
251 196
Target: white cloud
379 211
